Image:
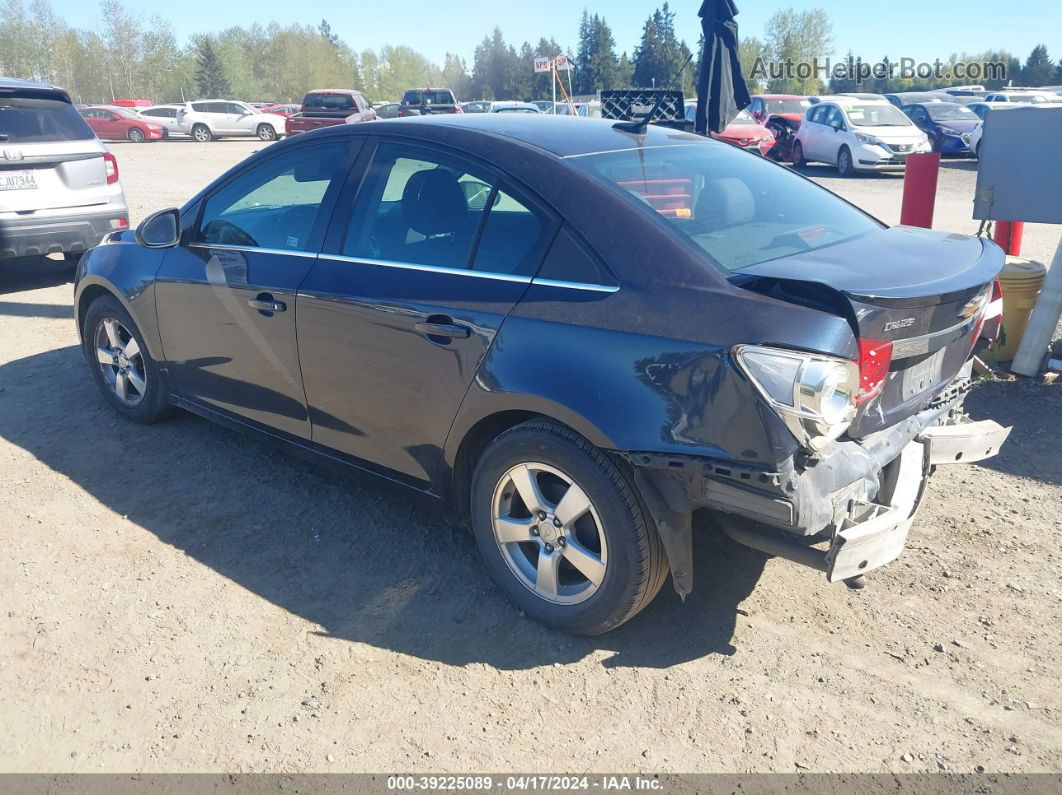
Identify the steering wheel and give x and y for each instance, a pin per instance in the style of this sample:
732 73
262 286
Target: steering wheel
226 233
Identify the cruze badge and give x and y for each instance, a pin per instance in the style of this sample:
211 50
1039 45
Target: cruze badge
892 325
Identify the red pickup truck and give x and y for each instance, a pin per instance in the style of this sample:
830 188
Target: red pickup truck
327 107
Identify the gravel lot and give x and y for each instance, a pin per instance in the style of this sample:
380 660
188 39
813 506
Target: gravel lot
180 598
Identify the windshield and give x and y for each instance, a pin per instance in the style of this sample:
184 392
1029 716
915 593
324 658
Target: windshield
743 117
945 112
329 102
787 105
428 98
739 210
880 114
29 120
125 113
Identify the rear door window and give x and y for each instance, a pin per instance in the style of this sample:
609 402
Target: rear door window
30 120
422 207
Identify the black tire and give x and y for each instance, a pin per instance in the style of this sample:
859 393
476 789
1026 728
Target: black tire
154 404
136 135
636 566
202 134
845 166
798 155
266 132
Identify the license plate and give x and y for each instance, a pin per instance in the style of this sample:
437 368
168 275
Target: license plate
920 377
18 180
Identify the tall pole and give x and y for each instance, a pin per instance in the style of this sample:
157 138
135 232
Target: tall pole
553 80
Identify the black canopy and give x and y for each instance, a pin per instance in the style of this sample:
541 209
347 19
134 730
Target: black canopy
721 90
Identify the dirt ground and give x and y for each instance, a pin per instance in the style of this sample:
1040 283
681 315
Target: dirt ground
180 598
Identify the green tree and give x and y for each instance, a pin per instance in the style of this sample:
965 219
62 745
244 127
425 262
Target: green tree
797 37
660 54
210 78
1039 69
494 68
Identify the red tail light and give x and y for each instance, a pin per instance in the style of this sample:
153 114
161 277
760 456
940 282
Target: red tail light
111 166
875 356
991 320
457 108
403 111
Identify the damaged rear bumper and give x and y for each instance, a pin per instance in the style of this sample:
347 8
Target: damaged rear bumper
845 513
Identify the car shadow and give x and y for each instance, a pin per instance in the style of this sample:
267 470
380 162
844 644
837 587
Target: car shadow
1032 451
18 309
364 563
33 273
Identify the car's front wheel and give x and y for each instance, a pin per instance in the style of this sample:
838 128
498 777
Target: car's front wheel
845 167
563 530
120 362
202 133
136 135
266 132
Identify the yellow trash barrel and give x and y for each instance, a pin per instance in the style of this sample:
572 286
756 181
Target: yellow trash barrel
1020 281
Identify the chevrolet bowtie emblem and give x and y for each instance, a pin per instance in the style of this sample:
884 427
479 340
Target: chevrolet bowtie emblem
973 307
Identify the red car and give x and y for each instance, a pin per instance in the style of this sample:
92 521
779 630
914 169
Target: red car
121 124
745 133
281 110
788 106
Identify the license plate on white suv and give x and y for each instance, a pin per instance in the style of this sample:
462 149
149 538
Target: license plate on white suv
18 180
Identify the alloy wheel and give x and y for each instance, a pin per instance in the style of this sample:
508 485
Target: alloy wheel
549 533
121 361
136 136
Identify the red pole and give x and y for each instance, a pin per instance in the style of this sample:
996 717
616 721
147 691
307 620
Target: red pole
1008 236
920 189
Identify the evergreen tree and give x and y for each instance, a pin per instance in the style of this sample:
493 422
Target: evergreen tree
660 54
325 30
1039 69
210 78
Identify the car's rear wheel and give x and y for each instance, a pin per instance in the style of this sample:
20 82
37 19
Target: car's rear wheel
120 362
266 132
202 133
845 167
136 135
798 155
563 531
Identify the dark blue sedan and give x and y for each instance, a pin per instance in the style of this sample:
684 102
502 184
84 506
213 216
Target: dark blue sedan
570 335
947 124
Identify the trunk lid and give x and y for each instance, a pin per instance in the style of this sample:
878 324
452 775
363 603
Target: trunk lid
923 291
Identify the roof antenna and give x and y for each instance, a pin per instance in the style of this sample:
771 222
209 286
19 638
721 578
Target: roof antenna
639 127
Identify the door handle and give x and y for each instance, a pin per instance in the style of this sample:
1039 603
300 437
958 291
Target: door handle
266 303
447 330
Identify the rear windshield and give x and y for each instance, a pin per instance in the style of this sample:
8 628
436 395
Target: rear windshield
329 102
29 120
739 210
428 98
787 105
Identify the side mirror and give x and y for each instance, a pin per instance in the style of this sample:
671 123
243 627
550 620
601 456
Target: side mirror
160 230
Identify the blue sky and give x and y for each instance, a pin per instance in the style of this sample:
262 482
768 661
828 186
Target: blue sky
901 28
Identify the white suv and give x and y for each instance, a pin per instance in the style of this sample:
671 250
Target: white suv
207 119
857 135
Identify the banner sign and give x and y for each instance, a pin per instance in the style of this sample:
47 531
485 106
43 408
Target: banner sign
542 65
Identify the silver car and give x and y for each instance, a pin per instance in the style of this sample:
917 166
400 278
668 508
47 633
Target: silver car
59 186
166 115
